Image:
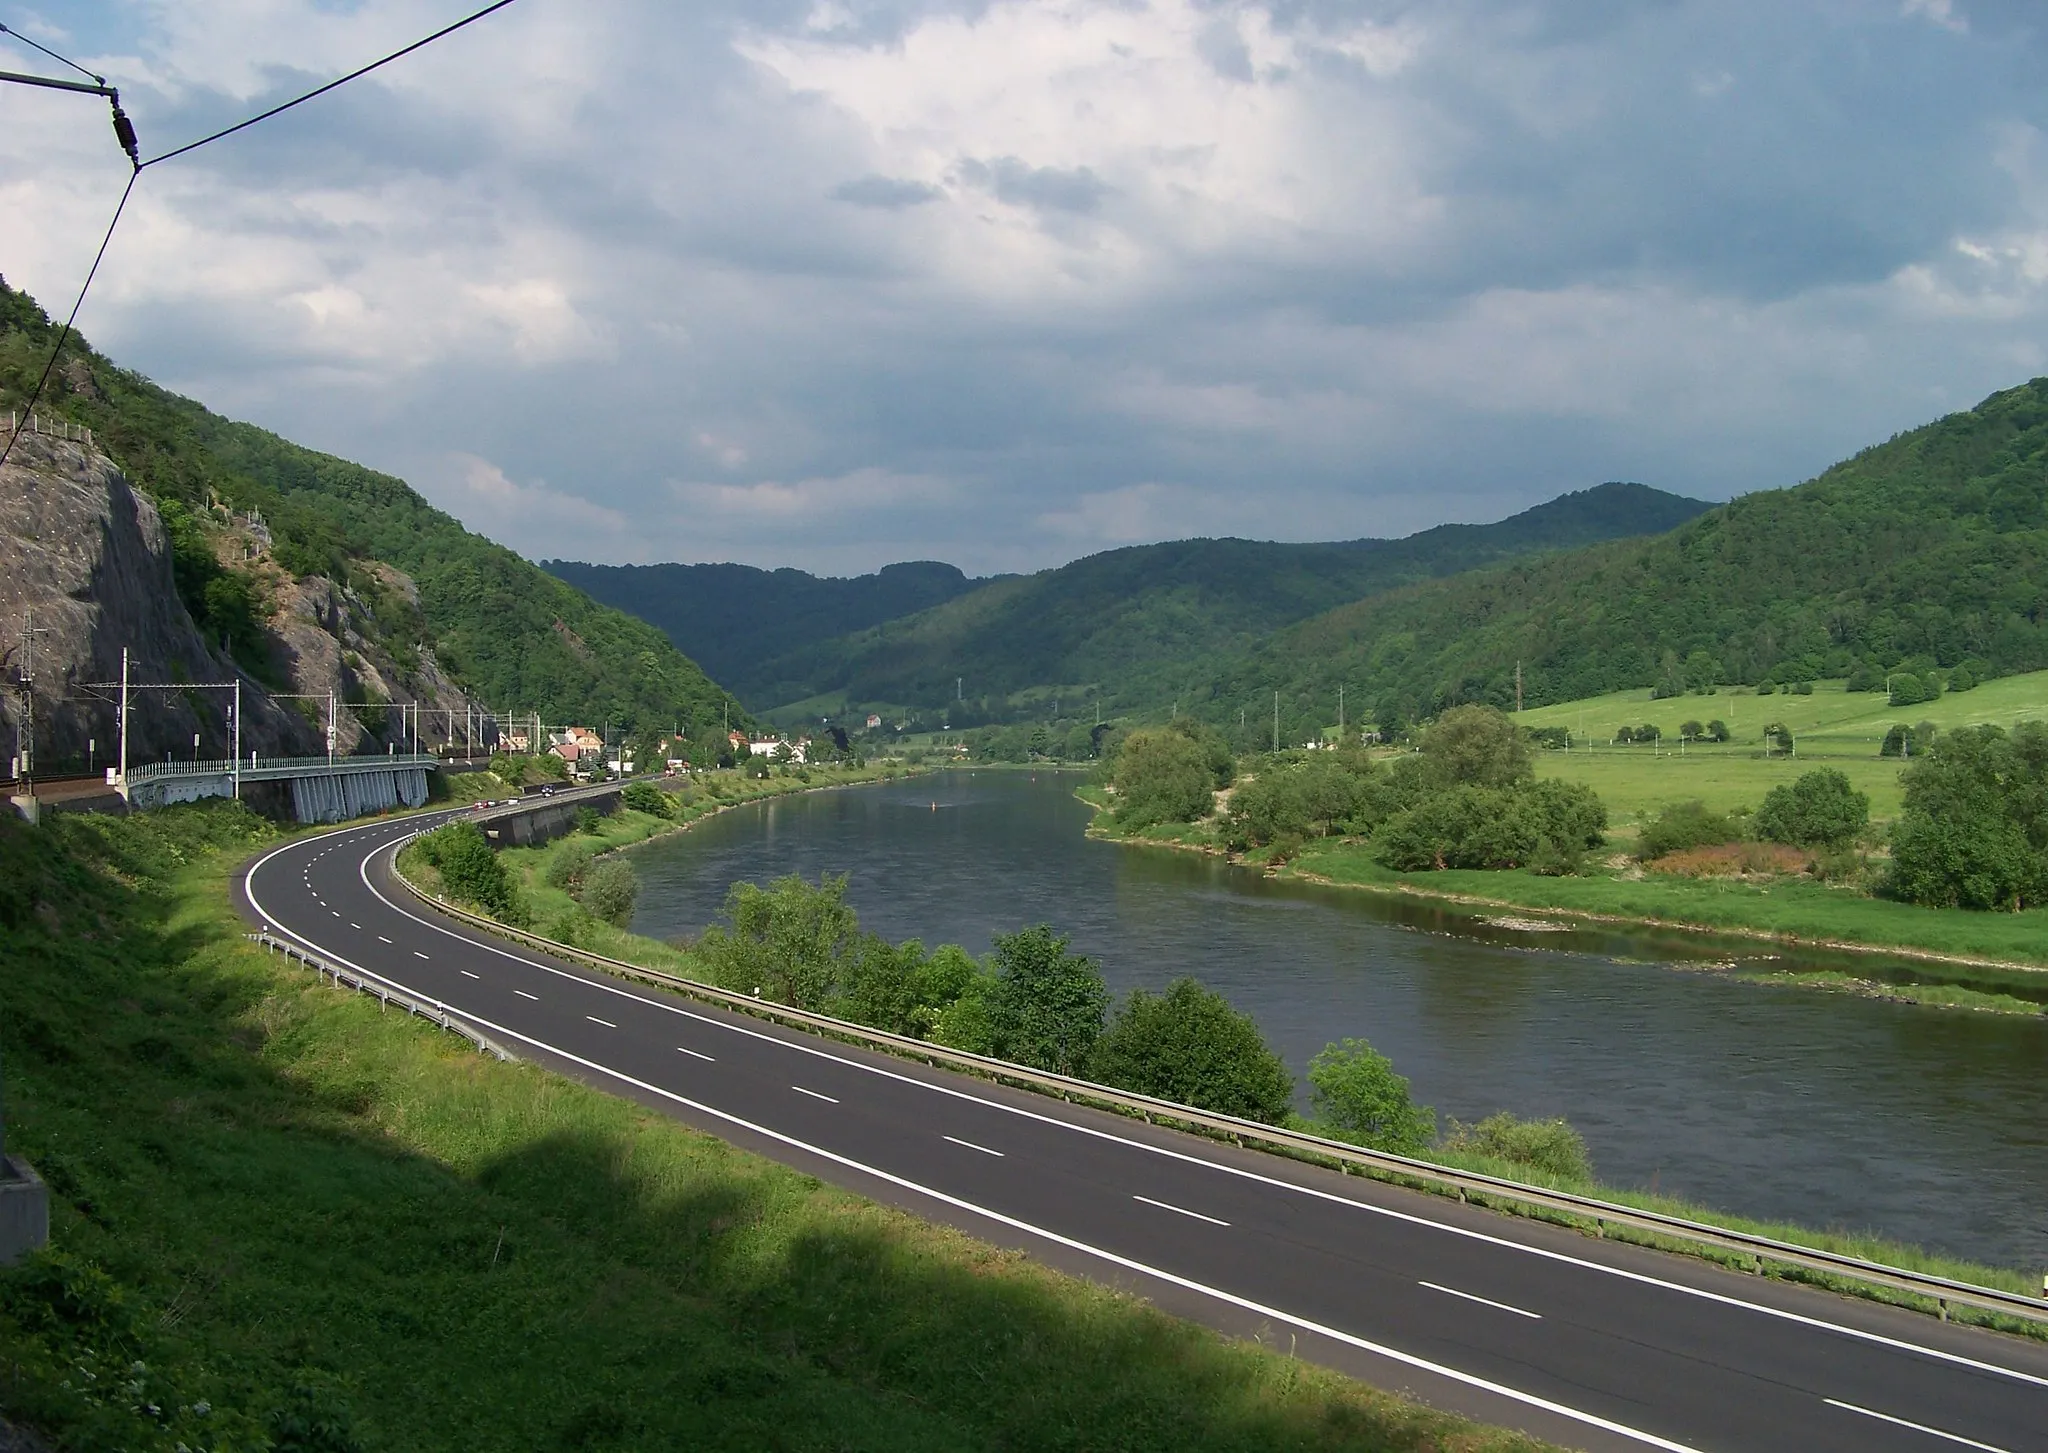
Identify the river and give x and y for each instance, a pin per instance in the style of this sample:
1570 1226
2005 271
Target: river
1830 1110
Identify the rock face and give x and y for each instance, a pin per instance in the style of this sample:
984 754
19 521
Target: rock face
85 563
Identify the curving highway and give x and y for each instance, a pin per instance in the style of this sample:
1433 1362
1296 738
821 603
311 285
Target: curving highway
1584 1342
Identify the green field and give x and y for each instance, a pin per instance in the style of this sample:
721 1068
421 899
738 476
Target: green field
1833 727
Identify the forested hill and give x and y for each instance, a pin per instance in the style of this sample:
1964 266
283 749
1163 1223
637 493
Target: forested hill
1131 624
506 630
1930 549
732 617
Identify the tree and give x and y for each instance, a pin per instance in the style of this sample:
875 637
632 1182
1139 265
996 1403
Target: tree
609 890
648 798
1046 1005
1717 730
1680 827
1355 1095
1188 1045
788 940
1691 731
470 871
1162 776
1974 829
1821 809
1476 746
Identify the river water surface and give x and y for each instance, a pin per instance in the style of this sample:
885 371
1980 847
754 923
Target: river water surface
1930 1126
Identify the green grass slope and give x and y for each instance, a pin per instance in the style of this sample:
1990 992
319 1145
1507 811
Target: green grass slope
1134 624
1930 548
507 630
284 1220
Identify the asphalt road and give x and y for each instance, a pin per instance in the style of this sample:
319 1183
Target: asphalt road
1584 1342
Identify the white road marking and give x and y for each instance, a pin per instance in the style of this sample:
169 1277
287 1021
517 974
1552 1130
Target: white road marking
680 1049
1483 1301
1180 1211
1240 1172
972 1146
524 995
337 913
468 975
814 1094
1916 1427
357 927
382 939
417 954
605 1022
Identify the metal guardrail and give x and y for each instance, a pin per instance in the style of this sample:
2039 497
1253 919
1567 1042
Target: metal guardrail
429 1009
1465 1185
289 766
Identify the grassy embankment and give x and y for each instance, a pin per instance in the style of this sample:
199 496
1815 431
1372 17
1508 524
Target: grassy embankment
342 1229
530 867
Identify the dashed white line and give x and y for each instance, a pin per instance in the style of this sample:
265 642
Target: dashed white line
1916 1427
524 995
972 1146
382 939
357 926
417 954
694 1054
814 1094
468 975
1483 1301
1180 1210
605 1022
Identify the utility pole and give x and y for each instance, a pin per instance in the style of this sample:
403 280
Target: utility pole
25 736
1276 721
1340 716
237 724
1518 688
124 722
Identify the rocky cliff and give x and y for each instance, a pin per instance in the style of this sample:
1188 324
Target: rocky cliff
86 566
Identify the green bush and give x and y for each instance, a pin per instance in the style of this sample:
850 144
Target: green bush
1045 1005
610 888
1821 809
1323 793
568 864
1355 1095
1161 775
648 798
1681 826
1475 746
470 871
1188 1045
1549 1146
1494 828
1974 829
788 941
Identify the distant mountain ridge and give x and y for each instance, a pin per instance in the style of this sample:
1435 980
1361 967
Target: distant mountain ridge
1132 626
1928 550
729 618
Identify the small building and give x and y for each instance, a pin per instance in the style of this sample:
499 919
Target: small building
874 721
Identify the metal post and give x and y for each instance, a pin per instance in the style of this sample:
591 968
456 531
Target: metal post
238 739
124 722
330 728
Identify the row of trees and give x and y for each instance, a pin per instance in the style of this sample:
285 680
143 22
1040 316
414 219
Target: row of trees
1035 1001
1466 798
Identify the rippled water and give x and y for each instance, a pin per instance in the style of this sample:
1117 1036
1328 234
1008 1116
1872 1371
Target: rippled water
1827 1109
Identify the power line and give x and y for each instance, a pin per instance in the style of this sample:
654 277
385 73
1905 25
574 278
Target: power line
60 60
126 133
331 85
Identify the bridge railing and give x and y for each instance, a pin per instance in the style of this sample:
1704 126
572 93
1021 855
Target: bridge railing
296 766
1752 1252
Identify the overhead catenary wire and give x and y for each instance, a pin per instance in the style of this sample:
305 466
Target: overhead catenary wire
125 131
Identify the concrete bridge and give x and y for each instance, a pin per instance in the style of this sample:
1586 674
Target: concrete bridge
323 789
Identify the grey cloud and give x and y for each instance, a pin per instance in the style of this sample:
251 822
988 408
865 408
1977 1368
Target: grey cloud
890 194
1043 189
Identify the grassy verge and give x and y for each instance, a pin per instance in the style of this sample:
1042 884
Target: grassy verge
282 1219
651 953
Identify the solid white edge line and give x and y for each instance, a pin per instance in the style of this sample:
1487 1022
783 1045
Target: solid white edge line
1181 1211
1878 1339
1796 1318
972 1146
605 1022
1916 1427
1483 1301
814 1094
694 1054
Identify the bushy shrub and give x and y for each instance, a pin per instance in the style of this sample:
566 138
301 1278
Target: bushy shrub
1319 795
610 888
1821 809
1909 689
470 871
1355 1095
1161 775
1475 746
1493 828
1551 1147
1899 742
1045 1005
568 864
788 940
1974 829
1188 1045
1683 825
1962 678
648 798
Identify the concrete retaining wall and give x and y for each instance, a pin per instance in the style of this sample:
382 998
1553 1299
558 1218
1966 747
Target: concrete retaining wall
24 1210
544 821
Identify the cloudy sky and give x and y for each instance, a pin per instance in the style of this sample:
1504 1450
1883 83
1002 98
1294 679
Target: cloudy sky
1004 283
